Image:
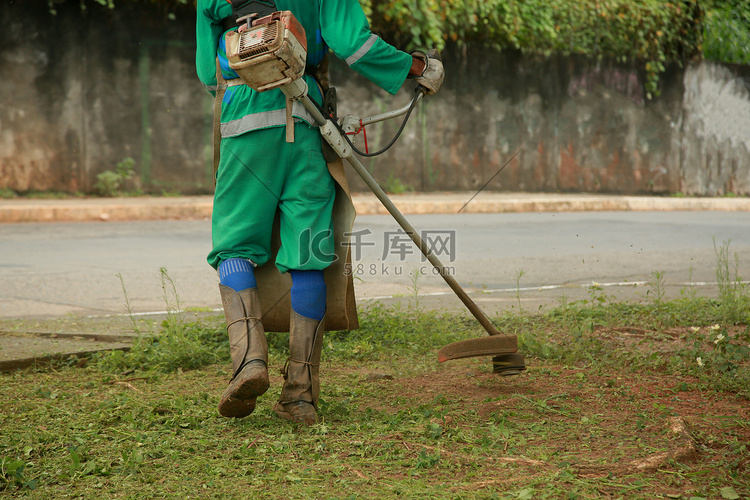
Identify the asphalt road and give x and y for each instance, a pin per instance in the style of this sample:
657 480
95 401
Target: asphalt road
52 270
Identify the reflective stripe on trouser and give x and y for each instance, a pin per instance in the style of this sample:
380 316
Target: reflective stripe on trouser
260 172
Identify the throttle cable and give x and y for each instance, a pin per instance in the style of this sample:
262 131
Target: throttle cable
417 91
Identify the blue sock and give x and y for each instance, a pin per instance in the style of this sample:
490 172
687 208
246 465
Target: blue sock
309 294
237 274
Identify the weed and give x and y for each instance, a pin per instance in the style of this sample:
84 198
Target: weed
172 302
656 288
596 294
689 292
393 185
717 356
12 474
426 460
391 329
180 344
733 293
128 305
517 278
110 182
413 288
178 347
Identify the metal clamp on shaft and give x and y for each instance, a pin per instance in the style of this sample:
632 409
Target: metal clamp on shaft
294 91
331 133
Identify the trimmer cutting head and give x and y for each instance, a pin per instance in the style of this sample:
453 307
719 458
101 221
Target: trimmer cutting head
503 347
509 364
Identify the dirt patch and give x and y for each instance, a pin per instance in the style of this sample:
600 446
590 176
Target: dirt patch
588 423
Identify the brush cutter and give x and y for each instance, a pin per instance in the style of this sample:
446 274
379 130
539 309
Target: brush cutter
273 48
504 347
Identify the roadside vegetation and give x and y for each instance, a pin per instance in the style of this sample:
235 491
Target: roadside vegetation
727 31
653 33
121 181
620 400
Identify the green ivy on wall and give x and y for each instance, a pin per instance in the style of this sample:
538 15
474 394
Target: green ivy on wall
649 32
169 7
727 32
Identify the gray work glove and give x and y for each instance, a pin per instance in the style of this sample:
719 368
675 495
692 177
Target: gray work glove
432 76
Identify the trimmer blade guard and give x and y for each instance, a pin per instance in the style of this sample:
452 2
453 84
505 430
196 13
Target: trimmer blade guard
492 345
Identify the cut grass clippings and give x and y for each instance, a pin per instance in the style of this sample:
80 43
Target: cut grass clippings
614 404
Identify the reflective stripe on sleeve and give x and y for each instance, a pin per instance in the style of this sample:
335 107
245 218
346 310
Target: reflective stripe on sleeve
362 50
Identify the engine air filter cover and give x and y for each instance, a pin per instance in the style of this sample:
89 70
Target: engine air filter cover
269 54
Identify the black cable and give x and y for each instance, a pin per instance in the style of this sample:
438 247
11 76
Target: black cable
417 91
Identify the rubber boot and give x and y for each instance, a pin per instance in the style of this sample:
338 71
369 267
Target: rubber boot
298 402
249 351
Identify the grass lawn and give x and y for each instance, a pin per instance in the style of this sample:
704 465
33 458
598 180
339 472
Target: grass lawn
619 400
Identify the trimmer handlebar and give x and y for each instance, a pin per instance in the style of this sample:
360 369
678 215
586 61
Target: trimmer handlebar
352 123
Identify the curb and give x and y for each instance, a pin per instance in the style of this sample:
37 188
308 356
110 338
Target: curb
200 207
38 347
452 203
19 350
105 209
20 363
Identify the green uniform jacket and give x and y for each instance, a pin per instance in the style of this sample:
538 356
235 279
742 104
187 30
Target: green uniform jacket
336 24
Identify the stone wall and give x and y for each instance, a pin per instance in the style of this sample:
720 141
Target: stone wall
715 135
574 124
79 92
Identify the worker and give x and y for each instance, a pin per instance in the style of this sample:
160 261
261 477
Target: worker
260 173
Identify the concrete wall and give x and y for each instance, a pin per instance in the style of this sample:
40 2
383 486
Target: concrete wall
576 125
81 92
715 139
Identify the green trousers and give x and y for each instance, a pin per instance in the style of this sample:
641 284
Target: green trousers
259 174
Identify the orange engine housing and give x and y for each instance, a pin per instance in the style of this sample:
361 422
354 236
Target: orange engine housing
270 53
